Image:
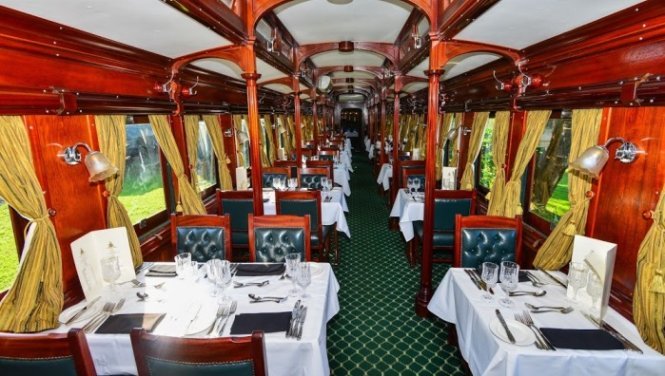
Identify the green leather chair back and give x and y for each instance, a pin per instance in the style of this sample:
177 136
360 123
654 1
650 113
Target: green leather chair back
238 210
445 210
311 181
59 366
301 208
487 244
204 243
267 178
161 367
272 244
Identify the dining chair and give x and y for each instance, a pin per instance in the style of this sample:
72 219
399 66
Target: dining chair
327 164
161 355
402 165
311 177
291 165
237 205
272 237
413 174
46 354
447 205
204 236
480 238
269 173
327 154
308 203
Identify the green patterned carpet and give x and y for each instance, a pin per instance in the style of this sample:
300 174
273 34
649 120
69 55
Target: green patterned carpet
376 331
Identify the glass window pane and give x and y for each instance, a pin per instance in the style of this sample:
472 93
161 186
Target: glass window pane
549 189
8 251
143 188
487 167
205 161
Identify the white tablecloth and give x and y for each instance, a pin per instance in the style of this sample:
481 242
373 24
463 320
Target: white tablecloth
331 212
457 300
385 174
408 211
341 176
370 152
112 354
345 159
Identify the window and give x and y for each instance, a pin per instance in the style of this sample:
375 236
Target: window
205 161
549 182
8 251
242 139
143 188
486 168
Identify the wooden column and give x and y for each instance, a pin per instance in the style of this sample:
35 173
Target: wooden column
297 120
425 294
315 127
382 131
254 137
397 142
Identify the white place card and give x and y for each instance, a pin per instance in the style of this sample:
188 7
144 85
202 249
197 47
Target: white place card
599 257
88 252
241 178
448 178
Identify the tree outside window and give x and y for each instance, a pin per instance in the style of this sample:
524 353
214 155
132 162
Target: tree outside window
486 167
206 170
8 251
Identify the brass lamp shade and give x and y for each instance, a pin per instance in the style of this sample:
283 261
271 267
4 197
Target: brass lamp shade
592 161
99 167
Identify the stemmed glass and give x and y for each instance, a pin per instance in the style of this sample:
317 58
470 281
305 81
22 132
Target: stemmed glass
293 183
220 271
292 261
490 275
416 185
324 183
409 185
303 278
578 275
111 271
183 262
509 277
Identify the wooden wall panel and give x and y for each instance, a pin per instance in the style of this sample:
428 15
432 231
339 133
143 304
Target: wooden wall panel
79 205
626 191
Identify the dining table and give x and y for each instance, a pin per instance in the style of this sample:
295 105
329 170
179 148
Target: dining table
333 208
186 308
487 350
341 176
408 207
385 173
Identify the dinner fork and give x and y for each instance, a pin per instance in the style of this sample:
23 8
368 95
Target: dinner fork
232 311
301 323
106 310
222 311
529 322
539 343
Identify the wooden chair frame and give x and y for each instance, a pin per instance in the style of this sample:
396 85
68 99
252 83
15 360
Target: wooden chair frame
198 350
223 221
406 172
279 221
485 221
276 170
315 171
54 345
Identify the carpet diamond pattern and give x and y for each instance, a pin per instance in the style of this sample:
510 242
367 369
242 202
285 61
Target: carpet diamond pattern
376 331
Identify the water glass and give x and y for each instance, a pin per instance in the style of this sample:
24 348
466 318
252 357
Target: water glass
220 271
292 261
324 183
490 276
409 184
416 185
293 183
111 271
509 277
183 262
303 278
578 275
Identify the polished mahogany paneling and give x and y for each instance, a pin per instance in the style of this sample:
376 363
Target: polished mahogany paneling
78 205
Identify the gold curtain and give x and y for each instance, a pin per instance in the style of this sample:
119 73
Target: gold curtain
292 130
476 140
282 124
192 141
263 141
444 128
35 299
535 125
455 141
271 146
556 251
649 294
112 136
189 198
499 150
217 139
422 135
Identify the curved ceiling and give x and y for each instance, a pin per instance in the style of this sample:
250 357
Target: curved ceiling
355 58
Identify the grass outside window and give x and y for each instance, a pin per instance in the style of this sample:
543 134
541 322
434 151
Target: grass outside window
8 251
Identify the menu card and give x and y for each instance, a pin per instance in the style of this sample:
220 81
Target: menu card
448 178
241 178
88 252
598 257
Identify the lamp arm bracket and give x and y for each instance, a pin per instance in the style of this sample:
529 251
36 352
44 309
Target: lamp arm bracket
614 139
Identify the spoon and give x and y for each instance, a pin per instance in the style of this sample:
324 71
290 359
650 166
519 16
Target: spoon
534 293
258 284
259 299
143 296
563 310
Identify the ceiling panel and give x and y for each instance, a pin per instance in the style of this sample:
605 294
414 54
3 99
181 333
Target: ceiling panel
415 86
419 70
354 75
351 98
147 24
280 88
464 63
315 21
267 71
522 23
224 67
355 58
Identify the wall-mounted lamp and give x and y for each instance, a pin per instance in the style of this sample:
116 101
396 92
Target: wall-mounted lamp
99 167
271 45
592 161
453 132
417 39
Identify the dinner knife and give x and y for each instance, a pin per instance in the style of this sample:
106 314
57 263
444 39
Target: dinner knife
468 273
79 313
511 338
553 278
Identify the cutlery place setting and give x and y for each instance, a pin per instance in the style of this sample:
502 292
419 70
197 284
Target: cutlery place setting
108 309
297 322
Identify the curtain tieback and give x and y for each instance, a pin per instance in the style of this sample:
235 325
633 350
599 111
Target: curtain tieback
658 284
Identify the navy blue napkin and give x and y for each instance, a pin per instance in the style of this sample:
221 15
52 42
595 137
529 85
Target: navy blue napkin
269 322
254 270
582 339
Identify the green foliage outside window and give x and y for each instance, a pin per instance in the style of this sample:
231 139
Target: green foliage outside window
487 167
8 251
143 189
205 164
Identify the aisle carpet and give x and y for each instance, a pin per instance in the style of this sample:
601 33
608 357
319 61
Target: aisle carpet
376 331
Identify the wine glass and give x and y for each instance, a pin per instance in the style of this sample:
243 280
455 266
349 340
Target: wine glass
594 288
293 183
111 271
292 261
509 277
324 183
303 278
409 185
578 275
490 275
222 277
183 263
416 185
